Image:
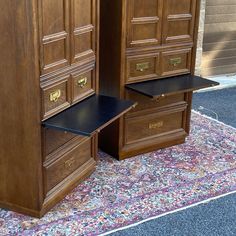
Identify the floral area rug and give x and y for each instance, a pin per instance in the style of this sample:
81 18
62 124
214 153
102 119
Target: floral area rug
122 193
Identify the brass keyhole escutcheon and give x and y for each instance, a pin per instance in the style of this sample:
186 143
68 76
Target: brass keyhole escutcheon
82 82
55 95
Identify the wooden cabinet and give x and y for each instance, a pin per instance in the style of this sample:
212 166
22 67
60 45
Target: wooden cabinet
146 49
49 72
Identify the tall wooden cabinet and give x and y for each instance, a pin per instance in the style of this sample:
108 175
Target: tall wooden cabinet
148 55
50 110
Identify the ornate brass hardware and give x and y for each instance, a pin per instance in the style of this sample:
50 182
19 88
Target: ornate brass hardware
175 61
69 163
82 81
55 95
156 125
142 66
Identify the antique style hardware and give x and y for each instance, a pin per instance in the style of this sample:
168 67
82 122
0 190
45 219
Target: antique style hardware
175 61
69 163
82 81
55 95
142 66
158 99
156 125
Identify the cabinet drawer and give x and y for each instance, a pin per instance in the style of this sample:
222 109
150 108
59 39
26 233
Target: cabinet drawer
146 103
54 139
58 170
152 125
83 84
175 62
142 67
55 97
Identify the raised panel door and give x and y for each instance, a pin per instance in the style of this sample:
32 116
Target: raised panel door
144 22
83 38
54 35
178 21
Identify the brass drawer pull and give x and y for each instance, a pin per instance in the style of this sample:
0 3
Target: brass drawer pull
142 66
82 82
175 61
156 125
69 163
55 95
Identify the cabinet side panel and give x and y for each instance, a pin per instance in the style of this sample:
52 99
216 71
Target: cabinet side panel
20 145
110 47
111 54
189 96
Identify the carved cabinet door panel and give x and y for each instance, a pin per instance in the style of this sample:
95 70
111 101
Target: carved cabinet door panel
144 22
54 34
178 21
83 36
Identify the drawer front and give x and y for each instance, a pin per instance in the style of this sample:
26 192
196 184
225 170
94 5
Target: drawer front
142 67
151 126
175 62
146 103
67 164
54 139
83 84
55 97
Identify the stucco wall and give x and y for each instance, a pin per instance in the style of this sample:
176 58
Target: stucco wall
200 38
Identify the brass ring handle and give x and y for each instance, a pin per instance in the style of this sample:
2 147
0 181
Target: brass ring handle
55 95
82 82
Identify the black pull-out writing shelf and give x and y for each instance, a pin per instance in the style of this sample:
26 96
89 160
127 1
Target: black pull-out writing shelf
90 115
173 85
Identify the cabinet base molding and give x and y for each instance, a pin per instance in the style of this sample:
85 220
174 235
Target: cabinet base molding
56 195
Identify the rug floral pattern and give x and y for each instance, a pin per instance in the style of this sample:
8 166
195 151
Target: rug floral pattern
122 193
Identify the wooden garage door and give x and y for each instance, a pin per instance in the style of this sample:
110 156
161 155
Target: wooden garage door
219 45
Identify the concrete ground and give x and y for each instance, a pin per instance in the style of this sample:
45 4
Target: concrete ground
226 81
218 102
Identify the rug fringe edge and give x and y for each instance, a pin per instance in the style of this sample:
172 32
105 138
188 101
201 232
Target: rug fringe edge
167 213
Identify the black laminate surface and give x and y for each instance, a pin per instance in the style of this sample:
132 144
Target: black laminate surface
90 115
171 85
